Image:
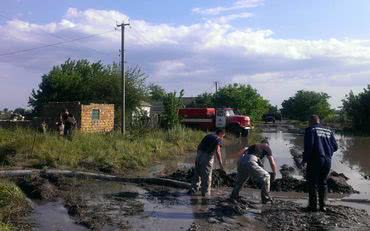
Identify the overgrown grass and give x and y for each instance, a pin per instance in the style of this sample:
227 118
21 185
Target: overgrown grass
109 152
12 204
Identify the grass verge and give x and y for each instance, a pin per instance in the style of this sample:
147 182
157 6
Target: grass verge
13 205
104 152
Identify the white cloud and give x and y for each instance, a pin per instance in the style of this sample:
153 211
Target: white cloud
188 56
237 5
232 17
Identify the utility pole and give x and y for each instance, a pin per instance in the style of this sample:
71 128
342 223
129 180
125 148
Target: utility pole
216 85
123 106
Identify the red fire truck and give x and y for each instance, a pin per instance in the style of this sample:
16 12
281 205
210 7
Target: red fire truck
211 118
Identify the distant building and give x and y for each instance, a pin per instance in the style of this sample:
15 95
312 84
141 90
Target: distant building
144 108
90 117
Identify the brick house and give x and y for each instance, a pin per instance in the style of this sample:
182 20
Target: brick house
90 117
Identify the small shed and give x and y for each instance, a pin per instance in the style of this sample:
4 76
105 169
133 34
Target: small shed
90 117
144 107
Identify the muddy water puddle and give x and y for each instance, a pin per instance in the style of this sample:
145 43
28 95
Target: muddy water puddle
144 207
53 216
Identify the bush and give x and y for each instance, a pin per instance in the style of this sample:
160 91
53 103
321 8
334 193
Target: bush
171 104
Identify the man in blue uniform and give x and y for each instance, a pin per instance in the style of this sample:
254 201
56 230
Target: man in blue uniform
319 146
208 147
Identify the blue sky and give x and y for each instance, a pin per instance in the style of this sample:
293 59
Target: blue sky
277 46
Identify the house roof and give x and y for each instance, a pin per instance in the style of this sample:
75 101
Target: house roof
145 104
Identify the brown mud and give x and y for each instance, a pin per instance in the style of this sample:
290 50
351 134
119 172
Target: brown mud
337 182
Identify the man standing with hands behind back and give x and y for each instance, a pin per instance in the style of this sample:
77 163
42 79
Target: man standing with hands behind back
319 146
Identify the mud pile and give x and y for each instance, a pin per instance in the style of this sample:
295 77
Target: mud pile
337 182
286 171
291 216
219 177
36 187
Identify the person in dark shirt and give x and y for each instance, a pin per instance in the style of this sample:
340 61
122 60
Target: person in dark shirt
319 146
69 125
250 166
209 146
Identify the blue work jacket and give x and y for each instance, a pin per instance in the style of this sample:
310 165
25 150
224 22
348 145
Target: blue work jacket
318 142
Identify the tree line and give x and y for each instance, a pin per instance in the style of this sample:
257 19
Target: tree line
84 81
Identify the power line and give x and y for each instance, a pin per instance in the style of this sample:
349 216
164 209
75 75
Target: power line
54 44
66 39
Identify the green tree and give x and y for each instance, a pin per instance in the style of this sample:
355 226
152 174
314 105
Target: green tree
156 92
203 100
357 109
243 97
171 104
306 103
20 111
89 82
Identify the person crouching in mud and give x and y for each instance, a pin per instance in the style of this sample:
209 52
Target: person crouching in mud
209 146
250 165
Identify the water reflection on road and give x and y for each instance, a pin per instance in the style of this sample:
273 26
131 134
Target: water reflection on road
352 158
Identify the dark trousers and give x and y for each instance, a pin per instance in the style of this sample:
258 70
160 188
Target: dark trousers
317 173
67 131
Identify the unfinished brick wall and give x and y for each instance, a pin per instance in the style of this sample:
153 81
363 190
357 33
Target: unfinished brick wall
105 123
83 115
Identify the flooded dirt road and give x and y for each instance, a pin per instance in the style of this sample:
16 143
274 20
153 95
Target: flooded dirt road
102 205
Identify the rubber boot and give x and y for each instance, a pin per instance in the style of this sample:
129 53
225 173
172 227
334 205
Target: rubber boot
323 193
312 200
265 197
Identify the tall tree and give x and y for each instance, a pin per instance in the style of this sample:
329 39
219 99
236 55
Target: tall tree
243 97
305 103
156 92
89 82
203 100
357 109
